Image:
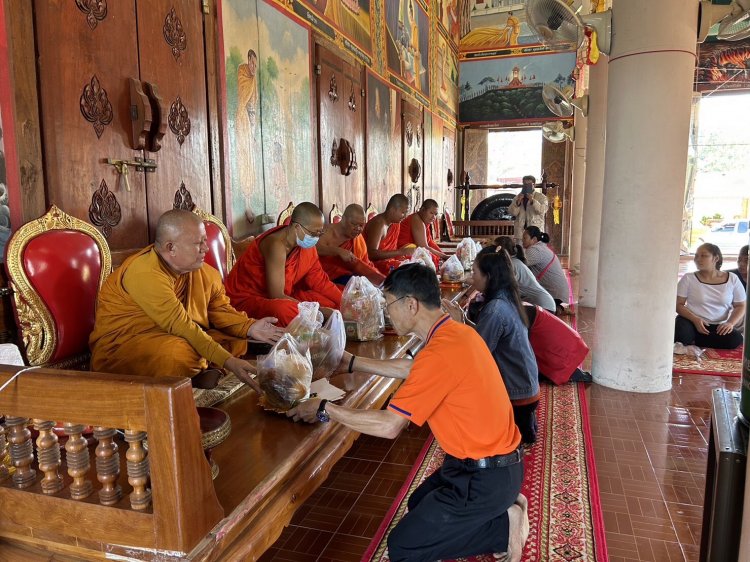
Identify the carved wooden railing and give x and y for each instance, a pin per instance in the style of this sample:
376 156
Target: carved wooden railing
482 229
158 506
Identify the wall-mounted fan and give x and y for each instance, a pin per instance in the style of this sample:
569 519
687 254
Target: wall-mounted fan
556 131
561 101
559 26
736 26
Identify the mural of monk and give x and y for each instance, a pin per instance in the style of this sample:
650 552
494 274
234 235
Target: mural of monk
492 37
246 122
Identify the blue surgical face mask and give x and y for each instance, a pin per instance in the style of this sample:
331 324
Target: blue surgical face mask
308 241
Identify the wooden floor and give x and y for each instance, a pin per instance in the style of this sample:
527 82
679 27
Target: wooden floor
651 459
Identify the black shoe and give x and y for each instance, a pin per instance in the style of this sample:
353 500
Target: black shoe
581 376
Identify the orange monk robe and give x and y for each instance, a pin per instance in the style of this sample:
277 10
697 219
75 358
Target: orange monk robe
405 236
335 267
305 280
152 321
388 243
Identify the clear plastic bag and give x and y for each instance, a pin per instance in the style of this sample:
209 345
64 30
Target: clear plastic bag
285 375
362 310
452 270
327 346
422 256
466 252
306 324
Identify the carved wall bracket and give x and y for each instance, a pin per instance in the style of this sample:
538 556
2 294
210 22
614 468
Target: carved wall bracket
95 106
344 156
333 89
95 10
182 199
179 120
104 211
352 99
174 35
415 170
409 132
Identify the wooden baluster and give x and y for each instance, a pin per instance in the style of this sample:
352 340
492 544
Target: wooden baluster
138 470
107 466
4 472
21 451
48 454
77 459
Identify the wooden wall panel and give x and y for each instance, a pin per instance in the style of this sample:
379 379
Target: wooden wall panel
384 161
175 62
553 163
413 143
77 57
448 157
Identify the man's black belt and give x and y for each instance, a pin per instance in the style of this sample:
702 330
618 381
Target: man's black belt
497 461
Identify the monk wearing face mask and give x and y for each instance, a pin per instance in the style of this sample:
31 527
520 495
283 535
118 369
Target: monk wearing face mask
281 268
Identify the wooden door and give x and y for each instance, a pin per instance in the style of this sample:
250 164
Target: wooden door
85 59
341 108
412 134
447 179
172 56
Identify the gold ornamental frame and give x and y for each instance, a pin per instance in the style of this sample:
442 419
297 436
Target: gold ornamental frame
35 321
208 217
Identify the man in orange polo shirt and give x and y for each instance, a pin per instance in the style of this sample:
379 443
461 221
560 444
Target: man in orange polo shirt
472 505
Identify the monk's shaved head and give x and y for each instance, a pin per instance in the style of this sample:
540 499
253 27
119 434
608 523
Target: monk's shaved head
354 211
429 204
306 213
398 201
172 223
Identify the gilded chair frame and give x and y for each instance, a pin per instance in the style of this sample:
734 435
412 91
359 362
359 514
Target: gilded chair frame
285 214
35 322
208 217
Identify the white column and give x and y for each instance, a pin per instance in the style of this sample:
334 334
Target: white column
596 128
648 119
576 202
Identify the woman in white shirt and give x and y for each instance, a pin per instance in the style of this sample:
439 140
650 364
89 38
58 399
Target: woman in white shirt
545 265
709 303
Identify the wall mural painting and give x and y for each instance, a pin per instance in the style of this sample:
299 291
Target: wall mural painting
445 83
407 38
383 143
498 24
723 65
268 112
510 89
350 17
447 12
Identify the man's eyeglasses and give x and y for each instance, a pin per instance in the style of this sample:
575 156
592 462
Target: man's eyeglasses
394 302
310 232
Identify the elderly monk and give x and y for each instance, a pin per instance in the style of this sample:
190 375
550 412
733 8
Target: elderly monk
164 313
381 235
343 251
414 230
281 268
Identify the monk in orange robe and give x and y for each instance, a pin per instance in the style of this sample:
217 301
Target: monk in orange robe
164 313
281 268
414 230
381 235
343 250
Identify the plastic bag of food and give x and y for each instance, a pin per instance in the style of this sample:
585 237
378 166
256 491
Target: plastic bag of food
327 346
306 324
362 310
284 375
452 270
422 256
466 251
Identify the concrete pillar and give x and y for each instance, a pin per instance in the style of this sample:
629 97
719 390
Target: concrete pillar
593 182
648 120
576 200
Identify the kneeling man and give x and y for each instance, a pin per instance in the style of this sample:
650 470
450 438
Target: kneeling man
472 504
164 313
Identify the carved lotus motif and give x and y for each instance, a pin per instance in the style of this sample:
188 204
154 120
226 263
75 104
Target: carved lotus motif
95 106
95 10
174 35
182 199
104 211
179 120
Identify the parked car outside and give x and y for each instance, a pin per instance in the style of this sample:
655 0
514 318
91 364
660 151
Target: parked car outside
729 236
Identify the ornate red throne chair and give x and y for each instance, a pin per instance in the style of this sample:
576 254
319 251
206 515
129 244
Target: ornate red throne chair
220 254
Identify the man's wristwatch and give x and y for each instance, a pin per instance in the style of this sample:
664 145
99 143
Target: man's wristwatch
322 414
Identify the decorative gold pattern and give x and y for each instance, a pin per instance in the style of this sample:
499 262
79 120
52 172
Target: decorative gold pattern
182 199
95 10
215 437
174 35
179 120
208 217
104 211
95 106
34 318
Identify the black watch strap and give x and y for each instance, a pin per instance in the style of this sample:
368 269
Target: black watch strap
322 406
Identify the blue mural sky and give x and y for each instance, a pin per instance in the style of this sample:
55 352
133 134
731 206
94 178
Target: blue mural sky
544 68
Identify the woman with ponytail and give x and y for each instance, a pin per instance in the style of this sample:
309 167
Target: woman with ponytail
545 265
530 289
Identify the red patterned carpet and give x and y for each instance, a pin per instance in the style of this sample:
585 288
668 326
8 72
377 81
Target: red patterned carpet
560 483
726 362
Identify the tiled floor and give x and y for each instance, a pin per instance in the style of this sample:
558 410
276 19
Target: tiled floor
651 459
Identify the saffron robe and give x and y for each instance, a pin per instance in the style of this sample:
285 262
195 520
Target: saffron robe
305 280
388 243
405 236
151 321
335 267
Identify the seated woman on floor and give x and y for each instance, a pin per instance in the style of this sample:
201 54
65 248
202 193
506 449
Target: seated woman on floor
545 265
530 289
501 321
710 302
